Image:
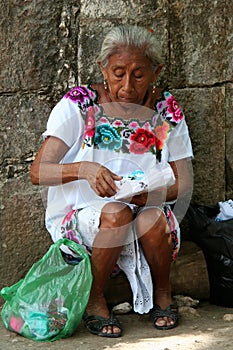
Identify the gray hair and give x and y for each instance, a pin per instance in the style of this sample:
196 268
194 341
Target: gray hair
131 35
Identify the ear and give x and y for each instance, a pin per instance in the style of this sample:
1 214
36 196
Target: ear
103 70
157 72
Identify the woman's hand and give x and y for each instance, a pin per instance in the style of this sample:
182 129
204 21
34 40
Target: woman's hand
182 170
156 197
101 179
47 169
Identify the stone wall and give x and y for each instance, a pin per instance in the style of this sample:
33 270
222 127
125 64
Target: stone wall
49 46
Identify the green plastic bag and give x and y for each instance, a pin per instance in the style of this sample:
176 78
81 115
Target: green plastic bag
48 304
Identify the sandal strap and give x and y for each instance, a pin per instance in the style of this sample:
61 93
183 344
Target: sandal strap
171 311
98 322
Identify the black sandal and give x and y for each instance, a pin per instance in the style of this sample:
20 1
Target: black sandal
95 325
171 312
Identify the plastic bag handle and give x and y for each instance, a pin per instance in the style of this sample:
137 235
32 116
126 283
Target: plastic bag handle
77 248
8 292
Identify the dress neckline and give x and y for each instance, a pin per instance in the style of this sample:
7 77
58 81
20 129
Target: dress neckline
127 111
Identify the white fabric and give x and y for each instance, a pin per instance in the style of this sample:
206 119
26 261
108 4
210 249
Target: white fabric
137 181
226 210
66 123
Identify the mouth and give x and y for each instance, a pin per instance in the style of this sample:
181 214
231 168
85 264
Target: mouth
127 99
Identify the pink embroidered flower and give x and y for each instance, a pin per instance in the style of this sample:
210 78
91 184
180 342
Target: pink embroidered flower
118 123
90 122
70 234
97 109
160 106
79 94
142 141
104 120
146 126
133 125
174 109
68 217
161 132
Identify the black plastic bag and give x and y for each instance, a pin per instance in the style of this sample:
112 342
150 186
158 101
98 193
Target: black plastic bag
215 238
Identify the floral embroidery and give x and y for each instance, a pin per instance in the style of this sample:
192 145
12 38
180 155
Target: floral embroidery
160 106
133 136
90 122
118 123
106 137
83 95
90 127
161 133
142 141
104 120
133 125
174 109
68 217
70 230
168 109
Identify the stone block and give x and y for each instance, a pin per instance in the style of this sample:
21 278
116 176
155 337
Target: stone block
205 114
24 238
200 42
22 121
129 9
35 43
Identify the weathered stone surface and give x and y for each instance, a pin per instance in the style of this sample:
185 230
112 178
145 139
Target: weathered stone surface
133 10
205 114
23 236
23 121
39 45
229 141
201 42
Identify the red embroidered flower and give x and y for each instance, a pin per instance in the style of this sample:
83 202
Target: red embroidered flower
174 109
142 141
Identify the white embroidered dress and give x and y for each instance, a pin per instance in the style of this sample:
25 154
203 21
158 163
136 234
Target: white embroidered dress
123 146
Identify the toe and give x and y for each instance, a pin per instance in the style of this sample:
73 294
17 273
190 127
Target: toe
116 330
161 322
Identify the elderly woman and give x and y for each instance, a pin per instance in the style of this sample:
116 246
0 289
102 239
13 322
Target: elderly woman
100 137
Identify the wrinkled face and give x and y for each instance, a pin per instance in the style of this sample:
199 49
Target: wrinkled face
129 74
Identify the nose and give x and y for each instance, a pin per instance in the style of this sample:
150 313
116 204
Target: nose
128 84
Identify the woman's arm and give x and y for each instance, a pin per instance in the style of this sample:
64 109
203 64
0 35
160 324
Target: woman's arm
182 186
47 170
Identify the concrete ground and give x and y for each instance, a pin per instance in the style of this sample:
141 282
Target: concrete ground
207 327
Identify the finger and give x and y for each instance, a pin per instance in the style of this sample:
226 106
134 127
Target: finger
109 184
117 177
103 189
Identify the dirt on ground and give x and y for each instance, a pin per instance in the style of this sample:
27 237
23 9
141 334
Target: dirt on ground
205 327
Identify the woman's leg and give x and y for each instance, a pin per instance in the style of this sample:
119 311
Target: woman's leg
114 223
154 236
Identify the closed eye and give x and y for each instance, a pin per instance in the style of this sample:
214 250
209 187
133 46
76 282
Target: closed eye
119 75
